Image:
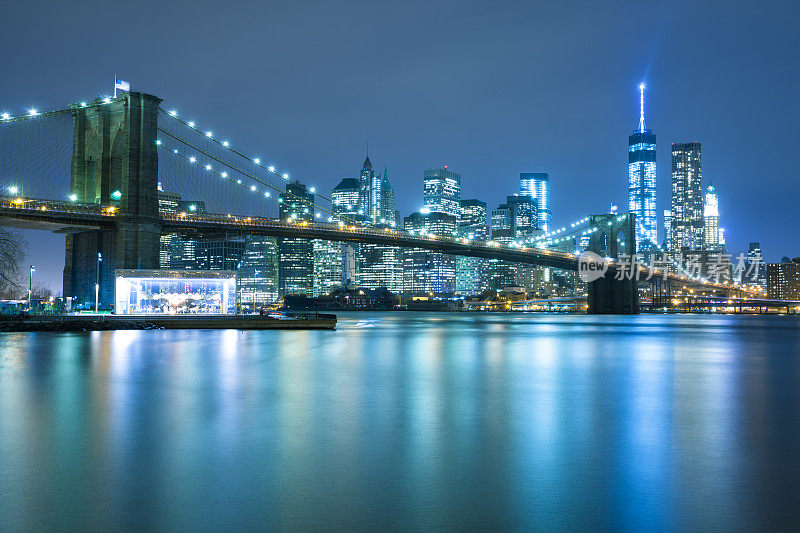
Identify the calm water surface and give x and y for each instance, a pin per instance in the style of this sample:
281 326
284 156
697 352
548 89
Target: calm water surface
407 421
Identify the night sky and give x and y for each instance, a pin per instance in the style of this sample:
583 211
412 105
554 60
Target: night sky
490 89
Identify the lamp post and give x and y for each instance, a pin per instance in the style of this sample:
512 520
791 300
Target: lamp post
97 285
30 288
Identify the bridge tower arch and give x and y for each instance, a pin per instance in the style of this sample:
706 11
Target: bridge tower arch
608 295
115 164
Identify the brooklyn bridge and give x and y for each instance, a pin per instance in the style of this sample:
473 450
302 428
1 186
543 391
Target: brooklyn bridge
93 171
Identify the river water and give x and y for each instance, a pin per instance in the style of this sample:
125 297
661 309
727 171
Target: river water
407 421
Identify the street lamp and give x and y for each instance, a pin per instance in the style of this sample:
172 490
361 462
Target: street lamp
30 287
97 284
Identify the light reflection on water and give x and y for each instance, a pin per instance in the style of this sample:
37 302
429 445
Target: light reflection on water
443 421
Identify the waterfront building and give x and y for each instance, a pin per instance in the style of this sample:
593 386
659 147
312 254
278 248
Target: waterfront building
442 191
380 266
426 272
687 197
258 273
472 225
783 280
500 274
327 266
296 256
174 292
537 186
642 181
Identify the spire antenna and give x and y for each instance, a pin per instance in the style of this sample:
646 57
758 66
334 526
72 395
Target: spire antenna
641 107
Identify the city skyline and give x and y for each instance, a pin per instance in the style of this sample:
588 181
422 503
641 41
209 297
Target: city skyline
489 132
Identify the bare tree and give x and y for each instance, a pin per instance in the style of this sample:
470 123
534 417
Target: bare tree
12 253
41 291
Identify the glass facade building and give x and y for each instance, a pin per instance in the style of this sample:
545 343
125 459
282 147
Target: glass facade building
472 225
711 232
258 273
536 185
139 292
642 187
327 266
424 271
687 197
296 256
442 191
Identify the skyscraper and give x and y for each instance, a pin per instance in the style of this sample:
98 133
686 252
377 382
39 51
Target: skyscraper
499 274
711 235
642 181
370 192
472 226
258 273
668 229
327 266
425 271
296 256
345 198
524 216
687 197
388 210
442 191
537 186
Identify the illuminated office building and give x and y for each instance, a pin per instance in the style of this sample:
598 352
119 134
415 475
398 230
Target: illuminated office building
472 226
537 186
426 272
668 241
219 253
687 197
442 191
296 256
167 203
258 273
370 192
499 274
524 216
327 266
380 266
345 199
783 280
642 181
712 237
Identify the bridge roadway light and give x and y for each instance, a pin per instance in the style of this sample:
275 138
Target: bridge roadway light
13 189
225 144
106 100
173 113
257 161
192 159
33 112
209 134
271 168
190 124
5 116
73 197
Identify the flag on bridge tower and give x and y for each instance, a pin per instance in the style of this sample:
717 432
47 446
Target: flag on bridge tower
121 85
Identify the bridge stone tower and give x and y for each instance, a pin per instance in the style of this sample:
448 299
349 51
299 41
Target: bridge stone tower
114 163
617 236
